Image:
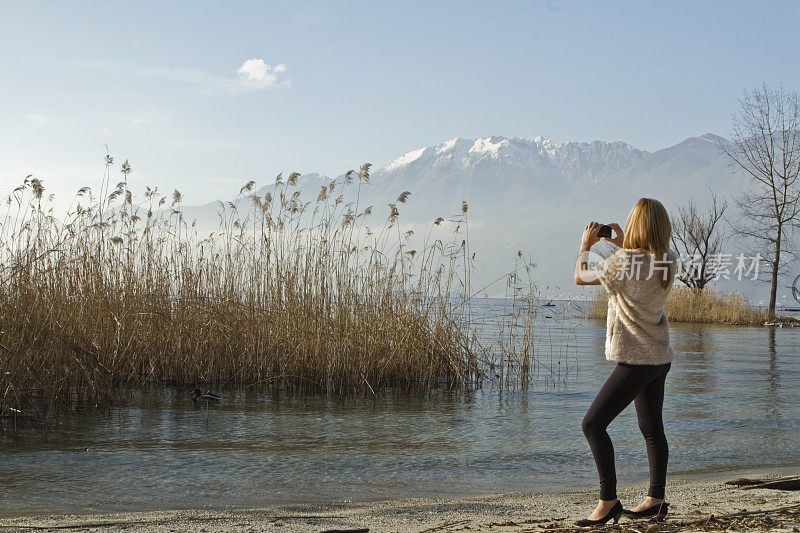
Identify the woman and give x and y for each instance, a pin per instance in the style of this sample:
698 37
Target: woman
638 277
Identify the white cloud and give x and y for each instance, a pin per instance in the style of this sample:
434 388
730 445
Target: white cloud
258 73
254 75
37 119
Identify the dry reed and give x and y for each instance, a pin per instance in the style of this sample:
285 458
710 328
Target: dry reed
709 306
301 297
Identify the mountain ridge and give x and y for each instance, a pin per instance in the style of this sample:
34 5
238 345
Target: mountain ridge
536 195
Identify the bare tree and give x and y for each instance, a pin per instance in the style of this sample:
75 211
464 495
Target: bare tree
765 144
698 238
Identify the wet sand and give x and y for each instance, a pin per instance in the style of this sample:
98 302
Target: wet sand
691 496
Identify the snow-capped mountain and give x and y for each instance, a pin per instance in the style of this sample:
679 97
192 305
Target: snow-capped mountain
507 169
538 171
573 161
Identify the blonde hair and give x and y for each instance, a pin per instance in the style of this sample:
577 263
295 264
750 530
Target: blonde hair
648 228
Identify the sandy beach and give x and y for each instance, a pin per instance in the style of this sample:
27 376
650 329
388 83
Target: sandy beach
692 497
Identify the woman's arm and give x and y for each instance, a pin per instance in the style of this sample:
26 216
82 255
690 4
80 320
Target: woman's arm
583 275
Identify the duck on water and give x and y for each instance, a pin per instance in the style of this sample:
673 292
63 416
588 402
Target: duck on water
198 396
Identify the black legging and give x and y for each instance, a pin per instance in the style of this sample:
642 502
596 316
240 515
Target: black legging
644 384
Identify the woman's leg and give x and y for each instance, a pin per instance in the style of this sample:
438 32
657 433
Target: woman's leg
648 410
624 384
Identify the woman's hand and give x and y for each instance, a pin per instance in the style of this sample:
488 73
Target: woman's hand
590 235
618 237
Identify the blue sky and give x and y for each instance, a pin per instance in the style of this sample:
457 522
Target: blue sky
336 84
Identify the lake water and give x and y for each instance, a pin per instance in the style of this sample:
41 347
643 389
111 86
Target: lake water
732 399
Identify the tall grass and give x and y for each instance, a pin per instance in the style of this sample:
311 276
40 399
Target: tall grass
297 296
709 306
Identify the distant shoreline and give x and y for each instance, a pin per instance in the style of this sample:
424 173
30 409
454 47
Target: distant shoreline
692 496
708 307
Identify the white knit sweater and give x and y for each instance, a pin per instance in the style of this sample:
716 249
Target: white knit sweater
637 331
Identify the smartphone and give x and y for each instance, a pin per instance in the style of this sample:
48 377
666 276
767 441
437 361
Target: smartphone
604 231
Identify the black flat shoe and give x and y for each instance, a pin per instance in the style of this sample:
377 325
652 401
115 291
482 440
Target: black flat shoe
614 513
659 510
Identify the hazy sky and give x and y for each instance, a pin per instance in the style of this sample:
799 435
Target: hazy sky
204 96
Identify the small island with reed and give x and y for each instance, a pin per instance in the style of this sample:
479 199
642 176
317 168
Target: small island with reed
291 295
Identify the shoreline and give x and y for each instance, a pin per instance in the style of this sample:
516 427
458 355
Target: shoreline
707 307
692 496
